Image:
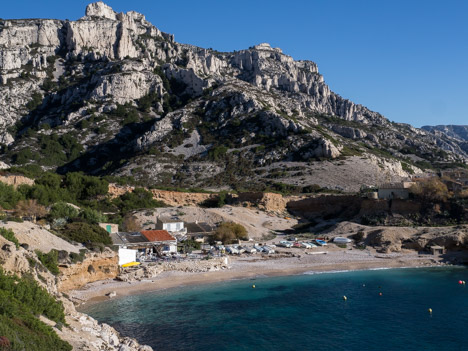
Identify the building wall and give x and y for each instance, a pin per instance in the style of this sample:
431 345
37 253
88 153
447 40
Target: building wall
173 227
110 227
126 256
393 193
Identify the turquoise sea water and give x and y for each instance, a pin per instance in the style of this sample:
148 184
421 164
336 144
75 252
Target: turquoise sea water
305 312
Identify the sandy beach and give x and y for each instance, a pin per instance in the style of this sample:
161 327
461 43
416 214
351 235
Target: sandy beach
323 260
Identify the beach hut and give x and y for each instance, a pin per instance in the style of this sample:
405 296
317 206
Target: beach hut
437 250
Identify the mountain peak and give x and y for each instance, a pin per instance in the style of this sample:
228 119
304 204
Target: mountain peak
100 9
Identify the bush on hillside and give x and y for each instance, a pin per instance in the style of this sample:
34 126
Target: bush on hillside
86 233
432 189
9 197
49 260
228 232
63 210
9 235
22 301
92 216
138 199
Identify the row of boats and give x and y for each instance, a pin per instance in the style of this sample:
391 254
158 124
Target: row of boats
239 249
303 244
270 249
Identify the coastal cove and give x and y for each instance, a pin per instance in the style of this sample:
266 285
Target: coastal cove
301 312
251 267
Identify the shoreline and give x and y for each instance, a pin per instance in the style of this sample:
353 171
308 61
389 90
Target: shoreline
254 267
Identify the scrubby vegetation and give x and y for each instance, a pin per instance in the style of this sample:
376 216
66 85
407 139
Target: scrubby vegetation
138 199
22 301
88 234
49 260
9 235
228 232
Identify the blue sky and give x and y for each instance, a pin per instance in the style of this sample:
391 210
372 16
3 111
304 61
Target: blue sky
404 59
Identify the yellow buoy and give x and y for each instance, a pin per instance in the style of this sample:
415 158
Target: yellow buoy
464 282
253 286
345 298
429 310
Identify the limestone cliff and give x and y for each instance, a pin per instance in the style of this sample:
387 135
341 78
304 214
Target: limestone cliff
115 95
95 266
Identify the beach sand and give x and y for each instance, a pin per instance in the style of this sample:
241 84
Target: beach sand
334 259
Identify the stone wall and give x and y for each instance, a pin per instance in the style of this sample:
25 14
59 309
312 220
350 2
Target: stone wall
344 206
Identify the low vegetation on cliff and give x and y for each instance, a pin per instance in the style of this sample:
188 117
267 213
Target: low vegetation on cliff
22 301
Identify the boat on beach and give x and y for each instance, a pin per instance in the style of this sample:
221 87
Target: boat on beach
341 240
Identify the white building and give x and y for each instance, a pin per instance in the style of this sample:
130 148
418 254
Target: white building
171 225
394 190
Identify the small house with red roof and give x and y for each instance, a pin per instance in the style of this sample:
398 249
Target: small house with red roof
161 237
144 245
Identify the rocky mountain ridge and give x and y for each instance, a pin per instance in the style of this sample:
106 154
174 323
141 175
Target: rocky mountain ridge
112 94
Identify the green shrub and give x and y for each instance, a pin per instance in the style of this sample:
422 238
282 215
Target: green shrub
9 197
77 257
92 216
217 153
35 101
138 199
227 232
22 300
88 234
9 235
49 260
63 210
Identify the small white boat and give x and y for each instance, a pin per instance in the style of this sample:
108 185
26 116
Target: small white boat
232 250
258 248
285 243
250 250
341 240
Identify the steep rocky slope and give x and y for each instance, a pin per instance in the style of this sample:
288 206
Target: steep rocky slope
458 133
112 94
81 331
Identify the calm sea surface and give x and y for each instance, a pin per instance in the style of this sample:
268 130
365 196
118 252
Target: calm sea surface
305 312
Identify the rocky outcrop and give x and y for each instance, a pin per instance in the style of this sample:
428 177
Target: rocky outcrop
95 266
171 198
81 331
396 239
153 270
175 198
269 202
16 180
